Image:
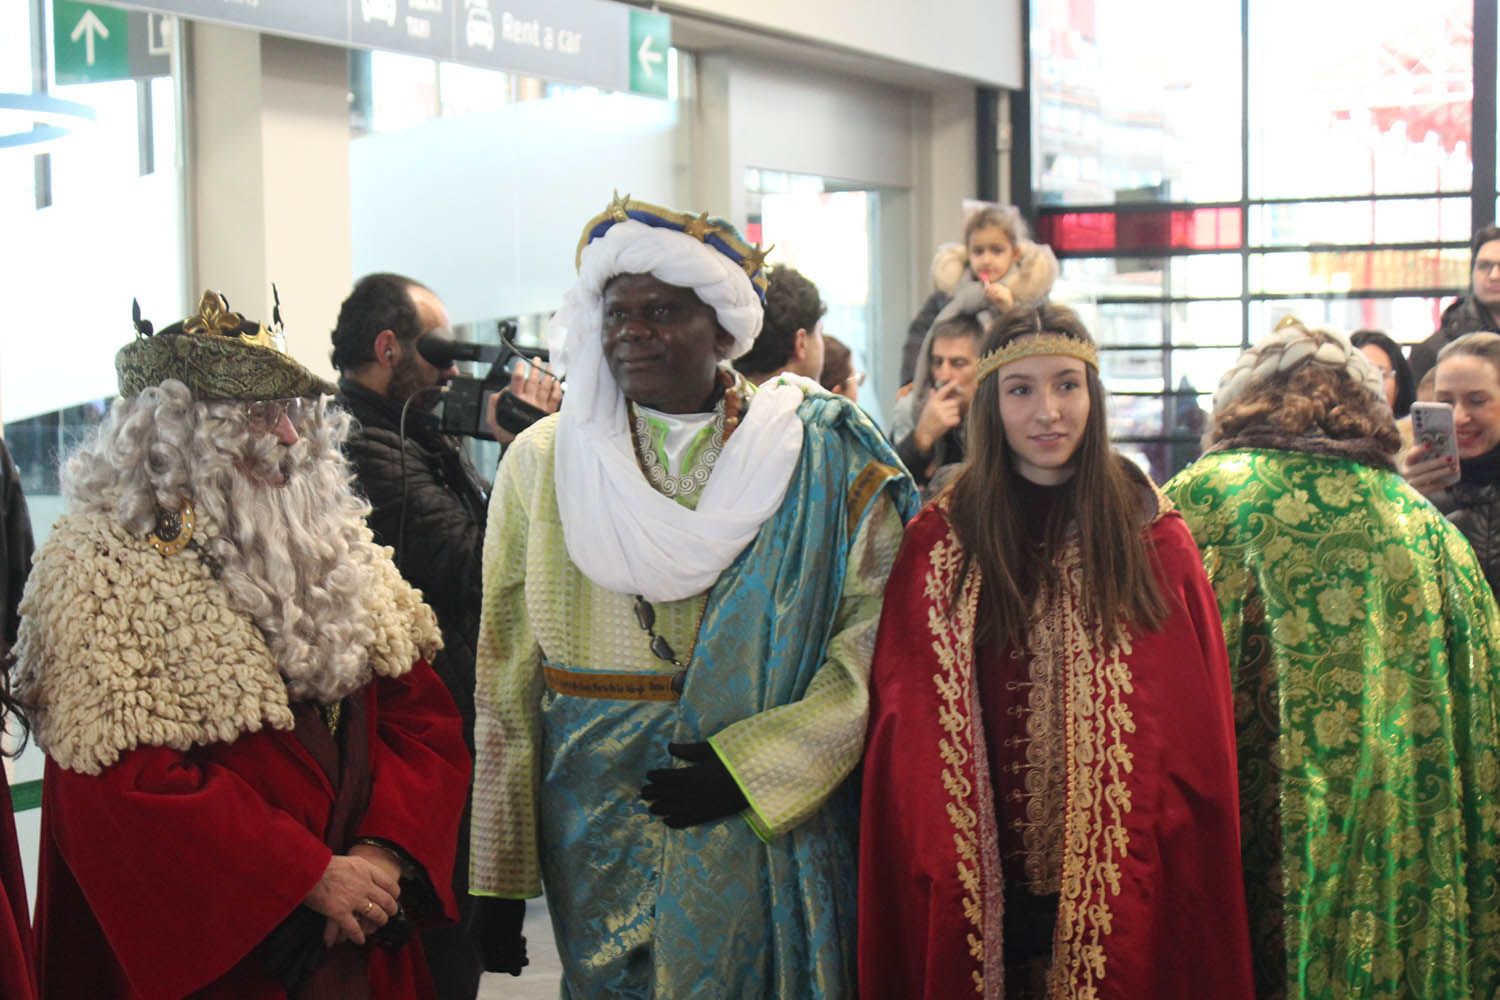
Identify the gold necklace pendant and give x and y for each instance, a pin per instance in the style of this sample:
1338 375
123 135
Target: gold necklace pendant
174 529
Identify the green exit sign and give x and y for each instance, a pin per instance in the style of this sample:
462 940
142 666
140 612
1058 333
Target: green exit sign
650 38
94 42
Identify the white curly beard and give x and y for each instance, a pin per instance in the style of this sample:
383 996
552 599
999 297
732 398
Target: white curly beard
297 558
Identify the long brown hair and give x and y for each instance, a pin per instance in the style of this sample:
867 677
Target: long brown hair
983 506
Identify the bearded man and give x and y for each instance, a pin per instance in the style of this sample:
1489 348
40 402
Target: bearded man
683 577
254 779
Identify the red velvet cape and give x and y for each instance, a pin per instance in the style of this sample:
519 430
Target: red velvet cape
17 975
160 876
1152 904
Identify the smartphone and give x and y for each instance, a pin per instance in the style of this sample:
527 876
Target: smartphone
1432 425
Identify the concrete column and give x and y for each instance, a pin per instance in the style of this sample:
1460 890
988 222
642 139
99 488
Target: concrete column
269 192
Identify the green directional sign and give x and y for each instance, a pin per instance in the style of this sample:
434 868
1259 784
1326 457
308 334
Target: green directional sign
90 42
650 38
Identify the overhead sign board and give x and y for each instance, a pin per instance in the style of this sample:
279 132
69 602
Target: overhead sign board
95 42
593 42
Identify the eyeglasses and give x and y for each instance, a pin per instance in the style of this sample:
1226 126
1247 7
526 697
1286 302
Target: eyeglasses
1486 267
854 381
265 414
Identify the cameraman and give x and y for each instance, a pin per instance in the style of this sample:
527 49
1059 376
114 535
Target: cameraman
434 520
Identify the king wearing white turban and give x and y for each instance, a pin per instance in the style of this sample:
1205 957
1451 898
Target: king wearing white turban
683 576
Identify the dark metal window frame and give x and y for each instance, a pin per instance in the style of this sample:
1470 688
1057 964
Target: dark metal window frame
1481 195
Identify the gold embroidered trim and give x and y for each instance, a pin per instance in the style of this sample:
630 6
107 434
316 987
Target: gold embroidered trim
866 485
1045 778
1095 840
952 642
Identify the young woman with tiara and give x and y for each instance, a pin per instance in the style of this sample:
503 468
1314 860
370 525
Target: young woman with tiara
1049 782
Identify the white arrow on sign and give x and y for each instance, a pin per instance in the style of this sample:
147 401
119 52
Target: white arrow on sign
647 56
88 26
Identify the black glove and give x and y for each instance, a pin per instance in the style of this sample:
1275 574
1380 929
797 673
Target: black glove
497 933
687 796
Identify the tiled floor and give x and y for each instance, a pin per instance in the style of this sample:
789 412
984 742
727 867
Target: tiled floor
540 979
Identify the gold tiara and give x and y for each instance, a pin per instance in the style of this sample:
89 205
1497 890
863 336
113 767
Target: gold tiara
1030 345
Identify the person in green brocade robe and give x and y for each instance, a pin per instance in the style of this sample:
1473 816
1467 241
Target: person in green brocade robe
1363 640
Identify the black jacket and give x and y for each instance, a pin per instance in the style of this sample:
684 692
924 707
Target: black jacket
916 333
1463 316
15 549
1473 505
443 543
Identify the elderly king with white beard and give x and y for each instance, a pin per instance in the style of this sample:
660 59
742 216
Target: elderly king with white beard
254 778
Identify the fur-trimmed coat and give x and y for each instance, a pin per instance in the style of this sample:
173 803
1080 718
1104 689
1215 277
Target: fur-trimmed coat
1030 280
188 806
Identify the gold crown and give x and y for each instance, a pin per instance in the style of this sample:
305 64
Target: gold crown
1030 345
214 319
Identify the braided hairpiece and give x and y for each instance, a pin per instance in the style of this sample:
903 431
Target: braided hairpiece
1293 344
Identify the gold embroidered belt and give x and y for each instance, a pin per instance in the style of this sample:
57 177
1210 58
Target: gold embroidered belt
617 687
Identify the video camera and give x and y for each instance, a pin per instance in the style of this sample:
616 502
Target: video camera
465 399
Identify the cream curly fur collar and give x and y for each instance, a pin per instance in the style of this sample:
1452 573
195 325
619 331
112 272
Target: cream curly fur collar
121 647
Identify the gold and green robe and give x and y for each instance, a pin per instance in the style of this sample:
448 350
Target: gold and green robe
1363 640
573 709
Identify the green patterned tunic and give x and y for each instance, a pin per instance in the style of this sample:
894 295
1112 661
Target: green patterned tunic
1362 636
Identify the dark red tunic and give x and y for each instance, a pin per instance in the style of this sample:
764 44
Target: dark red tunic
161 876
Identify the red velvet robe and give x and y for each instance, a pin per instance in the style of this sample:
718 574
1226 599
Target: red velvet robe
162 875
1151 903
17 973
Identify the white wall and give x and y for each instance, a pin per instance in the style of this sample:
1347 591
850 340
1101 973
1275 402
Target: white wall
978 39
916 147
487 208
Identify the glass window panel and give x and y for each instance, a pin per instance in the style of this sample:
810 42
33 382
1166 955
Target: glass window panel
1196 276
1171 414
1407 320
1168 229
1426 220
1160 433
1135 416
1343 102
1078 231
1126 111
1359 270
1206 324
1196 372
1135 372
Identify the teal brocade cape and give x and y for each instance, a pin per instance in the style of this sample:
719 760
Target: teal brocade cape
1363 640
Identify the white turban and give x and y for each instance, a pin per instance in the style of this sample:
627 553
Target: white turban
623 534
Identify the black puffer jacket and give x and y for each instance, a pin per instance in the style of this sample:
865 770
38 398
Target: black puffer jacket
1473 505
1463 316
443 541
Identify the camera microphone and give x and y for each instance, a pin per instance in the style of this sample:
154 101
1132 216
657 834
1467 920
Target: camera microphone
440 352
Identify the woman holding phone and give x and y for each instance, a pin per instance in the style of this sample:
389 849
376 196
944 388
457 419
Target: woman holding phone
1049 781
1468 381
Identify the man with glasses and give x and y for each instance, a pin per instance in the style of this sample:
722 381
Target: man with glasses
683 577
1480 310
254 779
